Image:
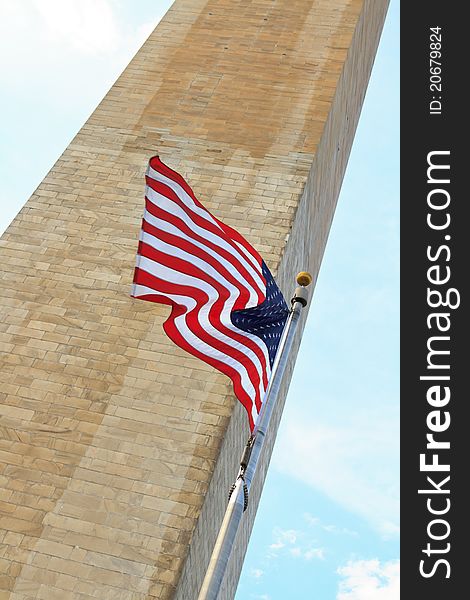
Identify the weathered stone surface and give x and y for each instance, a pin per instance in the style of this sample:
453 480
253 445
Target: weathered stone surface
116 447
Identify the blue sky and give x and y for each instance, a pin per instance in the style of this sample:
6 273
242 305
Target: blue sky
327 526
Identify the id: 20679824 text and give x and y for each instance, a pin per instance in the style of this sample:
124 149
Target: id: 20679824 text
435 70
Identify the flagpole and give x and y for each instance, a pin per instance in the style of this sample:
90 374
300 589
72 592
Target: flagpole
239 492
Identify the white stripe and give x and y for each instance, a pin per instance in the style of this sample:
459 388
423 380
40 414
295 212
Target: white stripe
172 207
204 213
211 291
248 255
183 195
254 410
168 227
193 340
142 290
179 278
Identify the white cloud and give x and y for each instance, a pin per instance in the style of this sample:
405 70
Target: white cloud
75 49
311 520
256 573
88 26
339 530
295 543
352 465
283 537
369 580
277 545
297 552
330 528
314 553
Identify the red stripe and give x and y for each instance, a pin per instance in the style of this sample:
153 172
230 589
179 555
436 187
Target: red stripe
157 164
241 240
215 311
165 287
187 246
160 257
177 222
166 191
200 332
174 334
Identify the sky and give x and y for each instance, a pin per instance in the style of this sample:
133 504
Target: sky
327 526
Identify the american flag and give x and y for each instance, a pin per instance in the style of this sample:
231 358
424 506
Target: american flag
226 307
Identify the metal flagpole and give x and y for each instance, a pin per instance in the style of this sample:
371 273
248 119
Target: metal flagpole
239 492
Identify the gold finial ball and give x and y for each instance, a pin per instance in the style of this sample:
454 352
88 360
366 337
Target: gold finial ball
304 279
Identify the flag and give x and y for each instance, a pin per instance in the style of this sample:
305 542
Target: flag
226 307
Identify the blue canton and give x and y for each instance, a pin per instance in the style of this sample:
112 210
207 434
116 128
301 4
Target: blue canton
266 320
